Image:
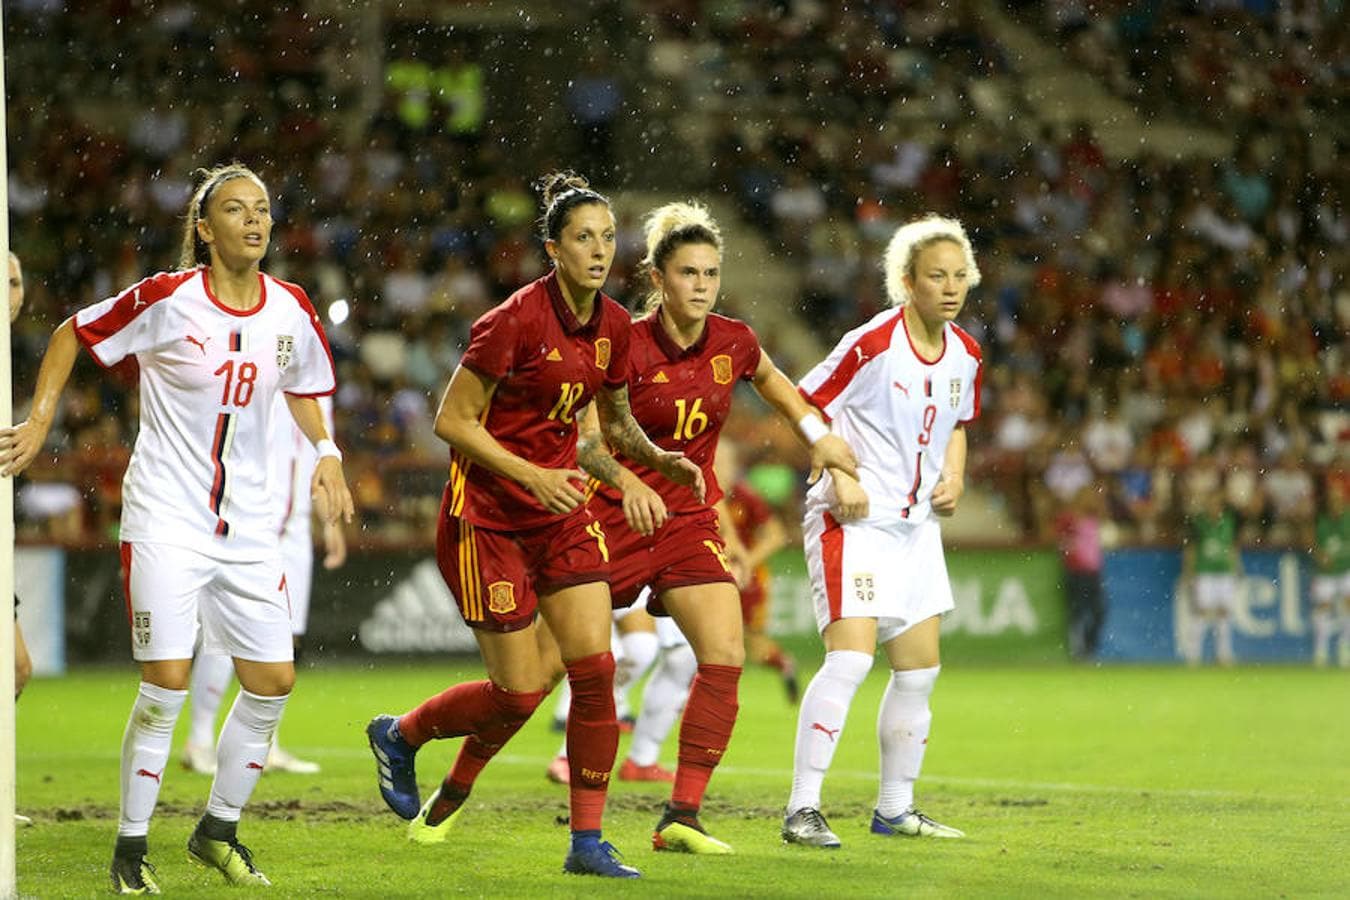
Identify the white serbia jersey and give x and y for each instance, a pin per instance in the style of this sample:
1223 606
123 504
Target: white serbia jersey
200 471
293 460
896 410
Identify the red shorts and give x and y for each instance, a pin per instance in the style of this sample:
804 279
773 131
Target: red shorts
497 576
754 601
687 550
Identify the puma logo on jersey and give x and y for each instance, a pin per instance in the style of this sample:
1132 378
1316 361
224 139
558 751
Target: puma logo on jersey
201 344
660 378
146 773
554 355
829 732
902 388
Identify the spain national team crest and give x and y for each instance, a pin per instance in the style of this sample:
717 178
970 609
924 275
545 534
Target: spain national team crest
501 597
285 348
863 589
602 353
956 393
721 366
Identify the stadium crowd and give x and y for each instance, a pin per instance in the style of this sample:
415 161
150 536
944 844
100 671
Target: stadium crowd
1156 328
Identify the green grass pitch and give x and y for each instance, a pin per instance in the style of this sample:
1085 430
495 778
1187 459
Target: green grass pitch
1070 781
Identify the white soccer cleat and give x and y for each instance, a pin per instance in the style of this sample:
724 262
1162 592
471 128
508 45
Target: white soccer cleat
22 821
284 761
199 759
912 823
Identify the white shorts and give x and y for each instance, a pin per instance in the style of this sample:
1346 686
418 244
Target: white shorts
241 607
1214 592
668 634
896 575
1327 589
297 555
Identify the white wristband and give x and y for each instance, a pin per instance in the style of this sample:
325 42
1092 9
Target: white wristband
328 447
812 428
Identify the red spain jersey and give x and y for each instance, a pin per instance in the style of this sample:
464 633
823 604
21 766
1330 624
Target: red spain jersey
548 366
681 397
748 512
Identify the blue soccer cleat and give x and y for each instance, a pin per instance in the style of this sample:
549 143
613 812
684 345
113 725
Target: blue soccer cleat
592 856
912 823
394 766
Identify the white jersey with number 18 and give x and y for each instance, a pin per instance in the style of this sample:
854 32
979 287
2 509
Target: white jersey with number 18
897 411
200 473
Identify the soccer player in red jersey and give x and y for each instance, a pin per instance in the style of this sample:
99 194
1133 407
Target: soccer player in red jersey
515 537
684 365
754 533
214 344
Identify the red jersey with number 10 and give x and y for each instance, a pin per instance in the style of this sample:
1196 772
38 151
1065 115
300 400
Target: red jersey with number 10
681 398
547 366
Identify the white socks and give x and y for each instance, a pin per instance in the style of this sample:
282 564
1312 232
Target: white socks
145 750
662 701
242 752
211 674
1322 624
902 733
639 651
821 722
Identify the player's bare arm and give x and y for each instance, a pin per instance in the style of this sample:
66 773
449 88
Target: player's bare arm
459 423
19 445
328 487
827 452
623 433
952 484
643 507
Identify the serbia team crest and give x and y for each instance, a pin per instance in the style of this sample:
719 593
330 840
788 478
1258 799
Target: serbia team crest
721 366
285 347
956 393
602 353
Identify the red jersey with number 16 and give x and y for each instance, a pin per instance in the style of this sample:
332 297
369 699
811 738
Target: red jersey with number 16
548 366
681 397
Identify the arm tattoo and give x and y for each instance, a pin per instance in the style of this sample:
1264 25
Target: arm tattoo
622 431
596 460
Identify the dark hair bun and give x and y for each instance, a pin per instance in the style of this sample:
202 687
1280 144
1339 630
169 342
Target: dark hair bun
555 183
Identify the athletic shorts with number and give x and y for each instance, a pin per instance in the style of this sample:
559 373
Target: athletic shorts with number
297 554
1327 589
668 634
686 550
896 575
1214 592
243 607
497 576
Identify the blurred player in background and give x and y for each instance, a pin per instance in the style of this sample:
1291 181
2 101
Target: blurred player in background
23 662
1331 583
1211 568
900 389
215 343
293 462
684 366
516 539
754 533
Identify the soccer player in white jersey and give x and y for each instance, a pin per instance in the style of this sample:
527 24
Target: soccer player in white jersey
899 390
214 344
293 460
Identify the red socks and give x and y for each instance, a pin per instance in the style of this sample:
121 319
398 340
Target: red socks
592 737
705 731
477 708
